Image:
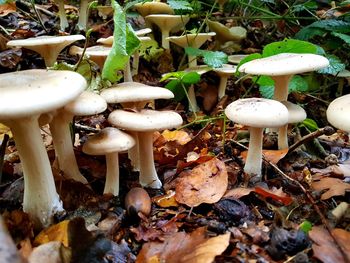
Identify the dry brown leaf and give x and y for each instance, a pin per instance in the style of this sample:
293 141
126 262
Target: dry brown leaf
272 156
339 170
206 183
53 252
324 247
238 192
181 137
7 8
58 232
166 200
333 187
182 247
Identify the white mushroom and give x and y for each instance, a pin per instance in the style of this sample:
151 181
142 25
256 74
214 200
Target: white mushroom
338 113
47 46
109 141
97 54
224 73
145 122
24 96
257 113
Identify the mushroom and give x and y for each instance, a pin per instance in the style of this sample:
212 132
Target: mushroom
167 23
109 141
236 59
97 54
134 95
137 200
62 15
257 113
154 7
224 73
145 122
24 96
88 103
109 40
296 114
338 113
191 40
47 46
83 14
105 11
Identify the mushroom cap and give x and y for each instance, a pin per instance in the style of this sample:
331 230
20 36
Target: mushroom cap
199 69
168 22
226 71
143 31
134 92
145 120
338 113
192 40
236 59
44 40
140 33
258 112
153 7
88 103
94 51
35 91
224 34
284 64
296 113
108 140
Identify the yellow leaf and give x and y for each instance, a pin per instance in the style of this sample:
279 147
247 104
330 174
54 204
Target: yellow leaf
58 232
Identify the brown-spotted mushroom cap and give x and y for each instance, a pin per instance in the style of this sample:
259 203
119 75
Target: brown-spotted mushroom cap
145 122
47 46
109 141
338 113
24 96
257 113
282 67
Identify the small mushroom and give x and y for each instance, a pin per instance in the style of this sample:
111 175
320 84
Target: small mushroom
236 59
47 46
296 114
145 122
83 14
97 54
167 23
154 7
225 34
25 95
224 73
109 141
257 113
88 103
338 113
137 200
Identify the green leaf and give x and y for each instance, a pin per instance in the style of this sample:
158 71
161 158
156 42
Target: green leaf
190 78
310 124
150 50
125 42
305 226
307 33
334 25
344 37
180 5
298 83
288 46
214 59
335 65
175 87
173 75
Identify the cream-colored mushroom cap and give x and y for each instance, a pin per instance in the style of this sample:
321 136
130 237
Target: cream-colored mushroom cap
226 70
44 40
224 34
36 91
257 112
168 22
236 59
284 64
135 92
88 103
96 51
154 7
145 120
296 113
199 69
140 33
108 140
338 113
192 40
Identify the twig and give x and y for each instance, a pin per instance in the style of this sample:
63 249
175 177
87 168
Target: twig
328 130
38 16
2 153
311 199
85 128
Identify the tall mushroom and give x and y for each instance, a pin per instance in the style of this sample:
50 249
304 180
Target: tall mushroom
145 122
24 96
257 113
109 141
47 46
88 103
224 73
281 68
62 14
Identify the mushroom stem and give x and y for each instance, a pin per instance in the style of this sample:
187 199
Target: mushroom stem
62 15
83 14
253 163
192 61
127 72
165 41
135 63
222 87
148 174
133 153
40 200
112 176
62 142
283 137
192 99
281 87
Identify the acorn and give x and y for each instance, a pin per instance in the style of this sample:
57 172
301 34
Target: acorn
137 200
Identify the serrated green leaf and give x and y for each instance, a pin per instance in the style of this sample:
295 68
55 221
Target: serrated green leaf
125 42
307 33
266 91
344 37
175 87
180 5
334 25
335 65
310 124
298 83
191 78
214 59
289 46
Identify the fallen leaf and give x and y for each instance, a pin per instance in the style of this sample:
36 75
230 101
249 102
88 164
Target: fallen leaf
53 252
272 156
166 200
339 170
7 8
182 247
181 165
331 186
206 183
4 130
274 194
58 232
324 247
181 137
238 192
